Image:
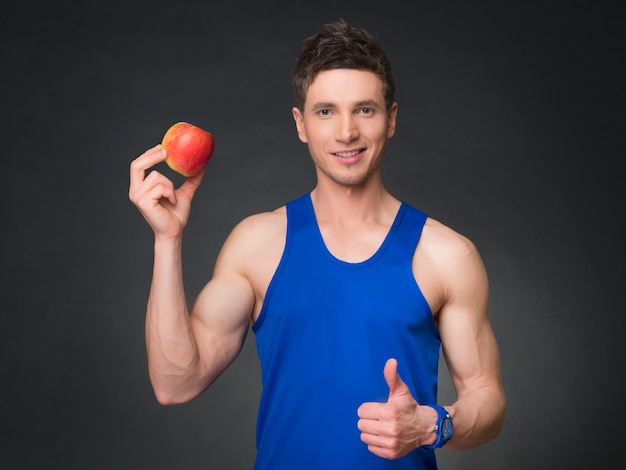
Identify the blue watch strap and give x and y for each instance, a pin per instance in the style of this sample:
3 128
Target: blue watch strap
443 428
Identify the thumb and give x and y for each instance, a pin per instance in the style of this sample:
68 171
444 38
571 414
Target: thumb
191 184
394 382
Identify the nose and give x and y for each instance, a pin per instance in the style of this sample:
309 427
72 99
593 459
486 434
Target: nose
347 128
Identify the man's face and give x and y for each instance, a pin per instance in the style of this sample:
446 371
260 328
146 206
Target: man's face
346 125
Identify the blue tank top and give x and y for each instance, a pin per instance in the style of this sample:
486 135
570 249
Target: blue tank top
323 335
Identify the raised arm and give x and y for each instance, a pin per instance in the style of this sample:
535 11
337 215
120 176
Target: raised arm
186 350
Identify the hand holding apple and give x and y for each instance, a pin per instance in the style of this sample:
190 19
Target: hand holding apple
189 148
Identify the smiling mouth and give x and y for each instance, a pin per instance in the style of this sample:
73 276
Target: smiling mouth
348 154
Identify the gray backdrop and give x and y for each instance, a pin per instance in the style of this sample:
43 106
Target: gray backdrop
508 123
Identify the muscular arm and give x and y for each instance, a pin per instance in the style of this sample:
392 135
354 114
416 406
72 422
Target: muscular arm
469 346
187 350
452 277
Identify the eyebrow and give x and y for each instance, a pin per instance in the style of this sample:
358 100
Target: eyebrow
322 105
367 103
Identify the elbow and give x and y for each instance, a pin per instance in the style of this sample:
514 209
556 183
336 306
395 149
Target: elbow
499 421
168 396
483 426
167 399
176 388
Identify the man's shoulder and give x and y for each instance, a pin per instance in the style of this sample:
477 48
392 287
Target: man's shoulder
255 246
259 231
442 239
446 263
263 223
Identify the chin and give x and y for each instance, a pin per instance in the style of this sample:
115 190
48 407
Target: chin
349 178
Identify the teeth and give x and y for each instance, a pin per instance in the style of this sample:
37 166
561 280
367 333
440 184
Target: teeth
347 154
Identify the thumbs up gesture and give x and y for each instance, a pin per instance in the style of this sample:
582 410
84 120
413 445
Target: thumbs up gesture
398 426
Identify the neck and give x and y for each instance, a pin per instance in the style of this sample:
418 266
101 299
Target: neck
353 204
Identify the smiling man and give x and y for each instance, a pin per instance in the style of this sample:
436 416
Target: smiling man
352 130
350 291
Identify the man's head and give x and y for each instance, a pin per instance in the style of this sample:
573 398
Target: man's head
341 46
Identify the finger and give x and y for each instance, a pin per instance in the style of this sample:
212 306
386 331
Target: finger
379 445
149 158
394 382
382 451
369 410
140 164
375 440
161 193
153 188
191 184
158 186
369 426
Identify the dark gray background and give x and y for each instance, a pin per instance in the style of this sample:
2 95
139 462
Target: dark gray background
509 131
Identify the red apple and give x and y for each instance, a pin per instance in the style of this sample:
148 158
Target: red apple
189 148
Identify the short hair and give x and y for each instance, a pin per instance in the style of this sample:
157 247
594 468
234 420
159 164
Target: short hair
339 45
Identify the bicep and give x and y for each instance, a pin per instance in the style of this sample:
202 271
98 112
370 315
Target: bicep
469 344
220 319
223 311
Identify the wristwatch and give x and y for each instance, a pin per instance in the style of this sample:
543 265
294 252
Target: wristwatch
443 428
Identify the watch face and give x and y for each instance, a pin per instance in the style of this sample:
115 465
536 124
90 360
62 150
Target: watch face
446 427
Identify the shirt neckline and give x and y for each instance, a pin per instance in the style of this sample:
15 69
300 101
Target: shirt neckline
375 256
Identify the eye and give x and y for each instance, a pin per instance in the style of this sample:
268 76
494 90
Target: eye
324 112
366 111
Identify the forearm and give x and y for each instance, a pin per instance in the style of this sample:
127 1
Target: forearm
478 417
173 359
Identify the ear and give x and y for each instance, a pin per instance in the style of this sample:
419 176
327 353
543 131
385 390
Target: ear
297 117
391 120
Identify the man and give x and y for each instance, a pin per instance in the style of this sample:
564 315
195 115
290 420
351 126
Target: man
350 292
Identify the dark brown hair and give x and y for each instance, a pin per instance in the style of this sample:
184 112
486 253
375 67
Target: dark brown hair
341 46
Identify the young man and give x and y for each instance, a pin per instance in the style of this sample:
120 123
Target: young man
350 292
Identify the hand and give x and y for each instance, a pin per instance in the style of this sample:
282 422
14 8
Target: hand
392 429
166 209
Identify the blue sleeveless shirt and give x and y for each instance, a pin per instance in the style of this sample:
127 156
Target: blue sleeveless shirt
323 335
